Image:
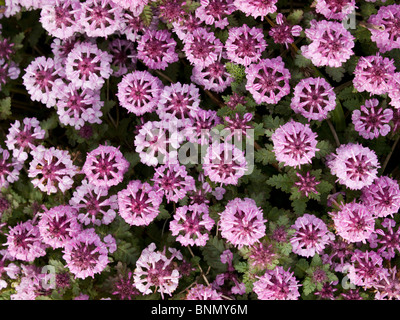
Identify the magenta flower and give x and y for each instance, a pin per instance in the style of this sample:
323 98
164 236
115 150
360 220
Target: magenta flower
256 8
87 66
24 242
124 287
23 137
238 126
235 99
354 222
61 18
262 256
388 288
224 163
372 121
133 26
58 225
215 12
76 106
105 166
306 184
182 29
338 254
355 166
139 92
61 49
7 49
124 56
202 292
135 6
294 144
93 204
86 255
156 49
382 196
214 77
41 80
51 169
387 35
245 45
311 236
327 291
388 240
173 181
351 294
268 80
374 74
283 32
313 98
242 222
203 122
155 270
335 9
139 203
179 100
365 268
394 92
100 18
190 225
172 11
8 71
202 48
277 284
331 44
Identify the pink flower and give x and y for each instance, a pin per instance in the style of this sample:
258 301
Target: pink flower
61 18
354 222
179 100
387 34
277 284
41 80
124 56
374 74
172 11
224 163
238 126
124 287
311 236
203 122
52 170
183 28
86 255
201 292
100 18
139 92
372 121
190 225
268 80
156 49
139 203
388 288
202 48
133 26
105 166
331 44
215 12
93 204
87 66
58 225
135 6
242 222
382 196
245 45
23 137
313 99
215 77
77 106
24 242
173 181
155 270
306 184
283 32
355 166
256 8
335 9
294 144
7 49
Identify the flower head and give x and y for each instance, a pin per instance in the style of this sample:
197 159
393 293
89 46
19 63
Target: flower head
215 12
306 184
277 284
105 166
354 165
294 144
139 203
268 80
242 222
202 292
191 224
256 8
283 32
335 9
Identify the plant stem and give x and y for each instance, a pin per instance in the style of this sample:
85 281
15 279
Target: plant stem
390 154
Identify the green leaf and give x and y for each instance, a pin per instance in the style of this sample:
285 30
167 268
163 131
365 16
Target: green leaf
238 72
299 205
325 148
316 261
241 267
264 156
295 17
302 61
5 108
301 268
308 286
281 181
212 252
147 15
336 74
